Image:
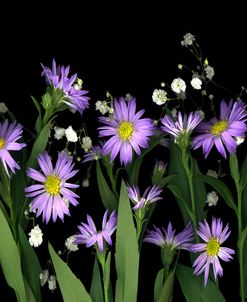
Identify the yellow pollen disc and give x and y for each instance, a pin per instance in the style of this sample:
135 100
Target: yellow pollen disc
2 143
125 130
219 127
52 185
212 247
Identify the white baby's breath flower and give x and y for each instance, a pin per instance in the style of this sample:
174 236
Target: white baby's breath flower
52 284
174 113
43 276
128 97
159 96
211 97
178 85
102 107
66 201
85 182
212 173
86 143
70 245
71 135
188 39
162 84
59 132
3 108
196 83
212 198
209 72
202 114
180 66
36 236
239 140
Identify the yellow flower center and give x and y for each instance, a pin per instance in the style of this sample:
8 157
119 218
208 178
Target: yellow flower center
212 247
125 130
2 143
52 185
219 127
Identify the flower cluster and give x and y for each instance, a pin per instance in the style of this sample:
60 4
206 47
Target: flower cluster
41 177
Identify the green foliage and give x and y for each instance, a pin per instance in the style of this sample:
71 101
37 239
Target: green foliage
10 260
71 287
127 254
193 289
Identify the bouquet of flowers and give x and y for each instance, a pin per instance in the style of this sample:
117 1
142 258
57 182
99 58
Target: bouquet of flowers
41 184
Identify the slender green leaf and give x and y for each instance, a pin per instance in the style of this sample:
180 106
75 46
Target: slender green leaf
96 291
184 208
38 124
167 289
29 293
233 163
193 288
127 254
39 145
221 188
199 191
133 169
71 287
107 281
181 181
166 180
107 196
242 244
10 260
243 174
30 265
158 284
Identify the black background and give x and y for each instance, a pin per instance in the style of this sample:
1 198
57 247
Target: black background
122 48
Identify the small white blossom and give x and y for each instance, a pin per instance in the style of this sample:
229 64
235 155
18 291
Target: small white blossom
196 83
212 173
59 132
180 66
111 110
71 135
108 95
209 72
52 284
174 113
239 140
3 108
70 245
128 97
178 85
43 276
211 97
212 198
66 201
36 236
102 107
86 143
85 182
204 92
188 39
159 96
162 84
202 114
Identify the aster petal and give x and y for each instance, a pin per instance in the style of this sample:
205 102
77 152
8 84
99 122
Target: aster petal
220 147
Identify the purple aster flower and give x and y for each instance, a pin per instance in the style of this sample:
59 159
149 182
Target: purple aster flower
211 249
58 77
223 132
89 235
53 194
150 195
162 237
9 134
183 125
127 129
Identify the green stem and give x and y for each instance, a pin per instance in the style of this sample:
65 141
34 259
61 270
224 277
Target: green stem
240 248
101 259
185 160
